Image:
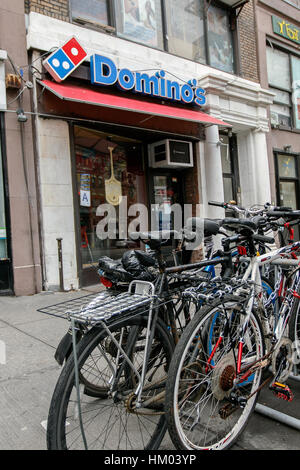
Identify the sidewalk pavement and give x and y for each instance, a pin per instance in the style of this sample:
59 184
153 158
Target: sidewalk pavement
29 375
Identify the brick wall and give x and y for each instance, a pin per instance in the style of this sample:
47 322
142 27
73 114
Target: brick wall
248 43
56 8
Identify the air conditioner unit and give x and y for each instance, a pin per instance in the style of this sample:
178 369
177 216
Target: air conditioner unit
170 154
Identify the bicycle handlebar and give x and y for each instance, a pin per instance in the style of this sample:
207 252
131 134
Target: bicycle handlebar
283 214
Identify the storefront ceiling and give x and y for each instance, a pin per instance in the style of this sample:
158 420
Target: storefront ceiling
74 93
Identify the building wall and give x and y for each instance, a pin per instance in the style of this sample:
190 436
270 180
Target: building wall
238 101
248 42
20 157
247 48
55 8
276 139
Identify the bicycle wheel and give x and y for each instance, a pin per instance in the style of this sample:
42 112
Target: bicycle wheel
294 322
112 421
205 407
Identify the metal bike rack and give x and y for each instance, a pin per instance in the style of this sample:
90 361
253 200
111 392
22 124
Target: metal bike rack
270 412
278 416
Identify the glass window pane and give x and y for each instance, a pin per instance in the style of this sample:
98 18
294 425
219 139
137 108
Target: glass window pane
94 170
282 97
228 191
94 11
3 245
288 194
278 69
281 114
140 21
220 40
225 155
296 90
287 166
185 28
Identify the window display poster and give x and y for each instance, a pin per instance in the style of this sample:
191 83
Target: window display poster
85 190
296 90
220 40
140 21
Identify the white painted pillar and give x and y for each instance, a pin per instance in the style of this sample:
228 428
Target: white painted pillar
262 171
57 202
247 168
213 173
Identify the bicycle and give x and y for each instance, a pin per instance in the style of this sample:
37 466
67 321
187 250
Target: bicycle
217 367
130 352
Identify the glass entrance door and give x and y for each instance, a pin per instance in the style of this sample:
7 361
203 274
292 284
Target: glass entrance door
230 170
167 191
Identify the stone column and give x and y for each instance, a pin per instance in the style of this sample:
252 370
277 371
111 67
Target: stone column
262 171
213 173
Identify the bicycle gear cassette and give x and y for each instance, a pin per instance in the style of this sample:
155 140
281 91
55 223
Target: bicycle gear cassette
282 360
223 377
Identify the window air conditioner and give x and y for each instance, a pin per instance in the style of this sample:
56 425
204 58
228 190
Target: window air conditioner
170 154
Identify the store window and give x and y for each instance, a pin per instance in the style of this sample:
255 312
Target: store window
294 3
284 81
287 179
220 45
186 35
99 157
194 29
295 64
94 12
200 32
140 21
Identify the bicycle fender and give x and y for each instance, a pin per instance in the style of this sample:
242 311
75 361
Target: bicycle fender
63 349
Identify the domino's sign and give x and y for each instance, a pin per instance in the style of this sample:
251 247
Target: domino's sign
105 72
62 62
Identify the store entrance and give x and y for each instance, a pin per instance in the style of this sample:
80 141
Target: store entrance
166 191
109 173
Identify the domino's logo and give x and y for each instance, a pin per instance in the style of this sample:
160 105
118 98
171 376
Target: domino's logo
62 62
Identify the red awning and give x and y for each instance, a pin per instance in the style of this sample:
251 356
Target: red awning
88 96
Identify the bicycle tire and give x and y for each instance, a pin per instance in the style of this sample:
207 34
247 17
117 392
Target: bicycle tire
108 422
294 326
190 424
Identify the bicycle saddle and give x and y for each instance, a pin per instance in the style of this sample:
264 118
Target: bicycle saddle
209 226
156 238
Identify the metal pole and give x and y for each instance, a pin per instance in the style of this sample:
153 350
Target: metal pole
278 416
60 264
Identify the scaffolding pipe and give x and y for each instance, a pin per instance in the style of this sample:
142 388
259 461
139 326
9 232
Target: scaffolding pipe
278 416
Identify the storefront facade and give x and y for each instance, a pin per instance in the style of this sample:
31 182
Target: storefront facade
279 60
80 142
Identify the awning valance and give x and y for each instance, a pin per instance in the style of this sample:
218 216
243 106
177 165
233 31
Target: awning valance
85 95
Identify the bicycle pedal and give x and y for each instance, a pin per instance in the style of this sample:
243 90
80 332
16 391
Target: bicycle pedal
282 391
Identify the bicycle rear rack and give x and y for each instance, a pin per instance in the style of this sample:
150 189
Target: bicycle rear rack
139 297
102 306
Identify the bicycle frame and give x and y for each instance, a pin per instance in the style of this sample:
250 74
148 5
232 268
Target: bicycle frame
253 273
